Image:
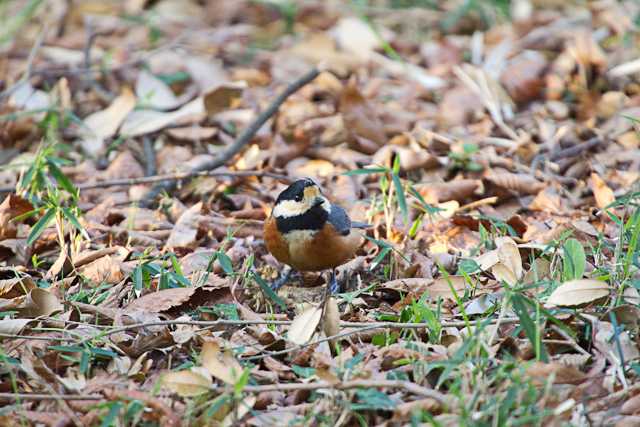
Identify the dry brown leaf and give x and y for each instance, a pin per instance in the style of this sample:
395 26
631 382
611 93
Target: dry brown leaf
631 406
107 270
142 122
221 365
124 165
154 93
519 183
331 321
12 207
577 292
540 372
193 133
13 326
185 231
436 288
522 78
509 255
190 383
458 106
320 48
403 411
611 343
223 97
16 286
503 273
104 124
601 191
459 190
39 302
242 408
360 117
304 325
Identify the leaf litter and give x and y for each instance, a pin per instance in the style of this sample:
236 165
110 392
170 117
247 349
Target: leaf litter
493 146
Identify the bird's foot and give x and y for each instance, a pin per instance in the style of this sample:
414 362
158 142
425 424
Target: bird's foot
333 285
282 280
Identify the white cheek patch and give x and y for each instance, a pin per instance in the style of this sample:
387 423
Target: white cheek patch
289 208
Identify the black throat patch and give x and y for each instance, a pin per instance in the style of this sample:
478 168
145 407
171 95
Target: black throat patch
313 219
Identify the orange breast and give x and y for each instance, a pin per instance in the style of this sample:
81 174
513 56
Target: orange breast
309 251
327 249
274 241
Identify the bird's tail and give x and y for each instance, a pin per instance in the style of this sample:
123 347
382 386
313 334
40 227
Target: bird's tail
357 224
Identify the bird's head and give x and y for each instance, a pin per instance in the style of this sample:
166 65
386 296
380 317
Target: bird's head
299 198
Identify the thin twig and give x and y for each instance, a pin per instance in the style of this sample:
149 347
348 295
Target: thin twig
347 385
167 177
359 327
363 327
34 337
91 37
35 396
242 140
576 149
149 156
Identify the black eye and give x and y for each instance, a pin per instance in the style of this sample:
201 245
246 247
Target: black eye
298 198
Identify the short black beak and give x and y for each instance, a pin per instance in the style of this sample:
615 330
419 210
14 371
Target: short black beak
317 202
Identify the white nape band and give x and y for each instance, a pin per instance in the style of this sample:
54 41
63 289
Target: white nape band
289 208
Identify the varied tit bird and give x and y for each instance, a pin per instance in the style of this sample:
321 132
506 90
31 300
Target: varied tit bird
309 233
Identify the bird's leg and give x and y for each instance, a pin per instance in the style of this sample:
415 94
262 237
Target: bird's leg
282 279
333 285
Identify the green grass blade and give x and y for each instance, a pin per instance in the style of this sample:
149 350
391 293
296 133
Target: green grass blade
40 226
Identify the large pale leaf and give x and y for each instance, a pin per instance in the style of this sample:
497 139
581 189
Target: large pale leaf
577 292
304 325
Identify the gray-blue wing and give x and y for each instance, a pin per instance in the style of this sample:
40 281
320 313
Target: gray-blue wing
340 220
